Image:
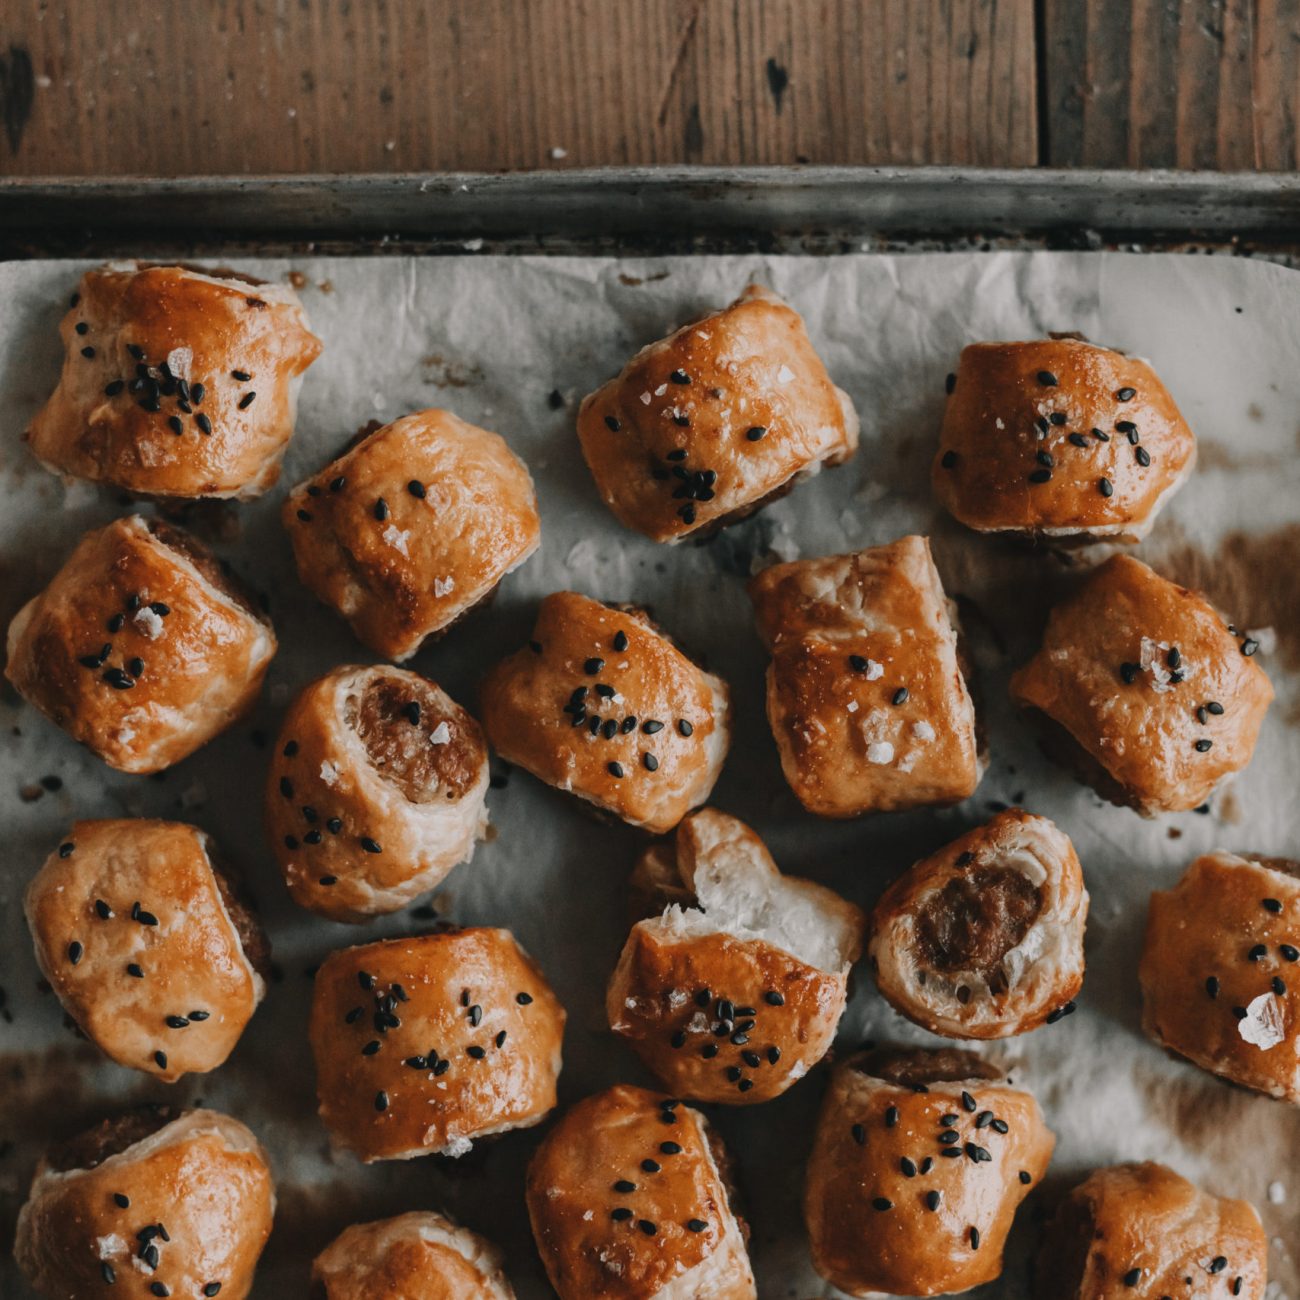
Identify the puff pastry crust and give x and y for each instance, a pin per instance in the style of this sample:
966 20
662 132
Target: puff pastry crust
629 1199
148 1201
412 528
704 427
735 993
601 704
143 647
1059 438
984 938
177 382
425 1045
148 944
1145 690
866 694
1139 1231
377 790
919 1163
1220 984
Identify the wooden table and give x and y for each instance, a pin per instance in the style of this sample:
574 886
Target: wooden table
175 87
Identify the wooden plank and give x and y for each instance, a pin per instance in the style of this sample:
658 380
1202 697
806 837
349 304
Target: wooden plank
1170 83
231 86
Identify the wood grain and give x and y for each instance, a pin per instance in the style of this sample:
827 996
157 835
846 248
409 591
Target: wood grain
230 86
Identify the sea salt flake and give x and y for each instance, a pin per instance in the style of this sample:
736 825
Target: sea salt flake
880 752
440 735
147 622
1262 1024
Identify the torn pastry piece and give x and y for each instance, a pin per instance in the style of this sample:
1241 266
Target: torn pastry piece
630 1199
148 1205
984 938
603 705
1059 438
416 1256
143 647
425 1045
376 791
1141 1231
1220 983
149 944
412 528
919 1163
1144 690
866 693
734 994
177 382
706 426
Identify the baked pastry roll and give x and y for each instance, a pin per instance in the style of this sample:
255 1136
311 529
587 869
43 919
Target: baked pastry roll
1220 984
865 692
919 1163
1143 690
1059 438
1140 1232
984 938
630 1197
423 1045
413 527
417 1256
376 791
735 992
603 705
148 943
177 382
143 646
706 426
148 1205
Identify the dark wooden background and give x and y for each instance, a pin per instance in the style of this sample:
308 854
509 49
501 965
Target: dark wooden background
219 86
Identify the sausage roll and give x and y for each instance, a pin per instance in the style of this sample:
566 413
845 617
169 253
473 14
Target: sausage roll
424 1044
865 692
148 944
706 426
418 1256
376 791
413 527
177 382
148 1205
602 704
734 994
630 1199
1220 984
919 1163
143 646
1144 690
1142 1232
1059 438
984 939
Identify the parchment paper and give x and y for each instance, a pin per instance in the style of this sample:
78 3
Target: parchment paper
492 338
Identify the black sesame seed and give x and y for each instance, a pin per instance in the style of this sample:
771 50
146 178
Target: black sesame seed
614 769
1279 986
135 666
1249 646
612 423
1203 745
1129 672
475 1015
1126 394
370 845
932 1200
881 1204
620 1215
1133 1277
416 489
160 1059
1040 476
381 509
891 1116
1078 439
900 695
1217 1264
696 1225
974 1238
66 848
286 787
477 1052
1258 951
1106 487
1212 986
948 460
1057 418
1289 952
685 727
381 1100
87 352
680 377
175 424
1271 904
859 1134
305 516
773 1054
1047 379
246 401
74 952
647 1227
968 1102
107 1273
773 998
115 623
175 1022
1142 456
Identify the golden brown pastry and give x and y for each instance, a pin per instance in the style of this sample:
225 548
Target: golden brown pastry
148 1205
413 527
865 692
424 1045
1142 1232
601 704
1059 438
417 1256
1143 689
735 992
706 426
920 1161
148 944
630 1199
1220 984
376 791
176 381
143 646
984 938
